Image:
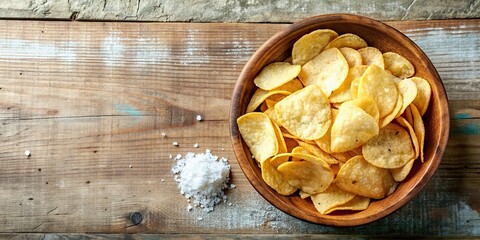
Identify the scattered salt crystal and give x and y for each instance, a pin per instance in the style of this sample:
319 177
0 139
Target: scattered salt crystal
164 134
199 218
253 157
223 149
28 153
232 186
202 178
170 156
199 118
178 156
163 180
189 207
130 166
230 204
175 144
195 145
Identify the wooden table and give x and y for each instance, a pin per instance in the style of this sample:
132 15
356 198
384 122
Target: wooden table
90 100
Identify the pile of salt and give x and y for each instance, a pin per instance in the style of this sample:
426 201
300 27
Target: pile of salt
202 178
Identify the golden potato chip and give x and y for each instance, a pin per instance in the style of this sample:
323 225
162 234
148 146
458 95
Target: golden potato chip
280 158
260 95
259 134
423 96
343 156
263 107
342 93
316 151
356 204
303 194
291 86
352 128
352 56
362 178
387 119
354 88
399 174
276 74
305 113
309 176
408 115
419 128
367 105
398 65
282 146
408 91
270 112
404 123
331 197
325 141
371 56
310 45
299 150
377 84
270 103
391 148
347 40
327 70
275 179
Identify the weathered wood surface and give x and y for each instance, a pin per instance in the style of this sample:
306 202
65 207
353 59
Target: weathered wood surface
235 10
90 99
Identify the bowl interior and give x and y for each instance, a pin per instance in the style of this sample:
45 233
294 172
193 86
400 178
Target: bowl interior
378 35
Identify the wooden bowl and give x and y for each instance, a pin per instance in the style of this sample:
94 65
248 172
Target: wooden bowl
376 34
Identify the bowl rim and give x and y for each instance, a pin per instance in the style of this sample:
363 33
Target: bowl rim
237 141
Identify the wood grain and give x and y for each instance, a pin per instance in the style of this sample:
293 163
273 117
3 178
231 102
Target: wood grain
90 99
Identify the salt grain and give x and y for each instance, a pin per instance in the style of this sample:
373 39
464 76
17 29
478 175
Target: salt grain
28 153
202 178
199 118
170 156
164 134
175 144
195 145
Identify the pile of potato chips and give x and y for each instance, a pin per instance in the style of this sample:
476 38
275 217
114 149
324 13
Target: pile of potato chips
339 122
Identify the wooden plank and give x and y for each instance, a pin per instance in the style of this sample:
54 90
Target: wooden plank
90 99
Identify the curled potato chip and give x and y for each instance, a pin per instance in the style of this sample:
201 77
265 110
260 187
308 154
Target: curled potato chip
352 128
362 178
419 128
399 174
391 148
310 45
377 84
325 141
291 86
398 65
371 56
408 91
387 119
273 116
354 87
259 134
313 149
299 150
404 123
342 93
260 95
367 105
305 113
276 74
352 56
327 70
347 40
423 96
309 176
356 204
331 197
275 179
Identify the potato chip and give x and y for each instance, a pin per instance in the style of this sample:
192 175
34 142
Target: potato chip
299 150
367 105
419 128
263 107
399 174
362 178
280 158
354 87
327 70
291 86
408 91
259 134
303 194
423 96
275 179
347 40
310 45
342 93
282 147
404 123
387 119
372 56
378 85
357 203
352 56
352 128
276 74
331 197
259 96
325 141
270 103
316 151
309 176
398 65
391 148
273 116
305 113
